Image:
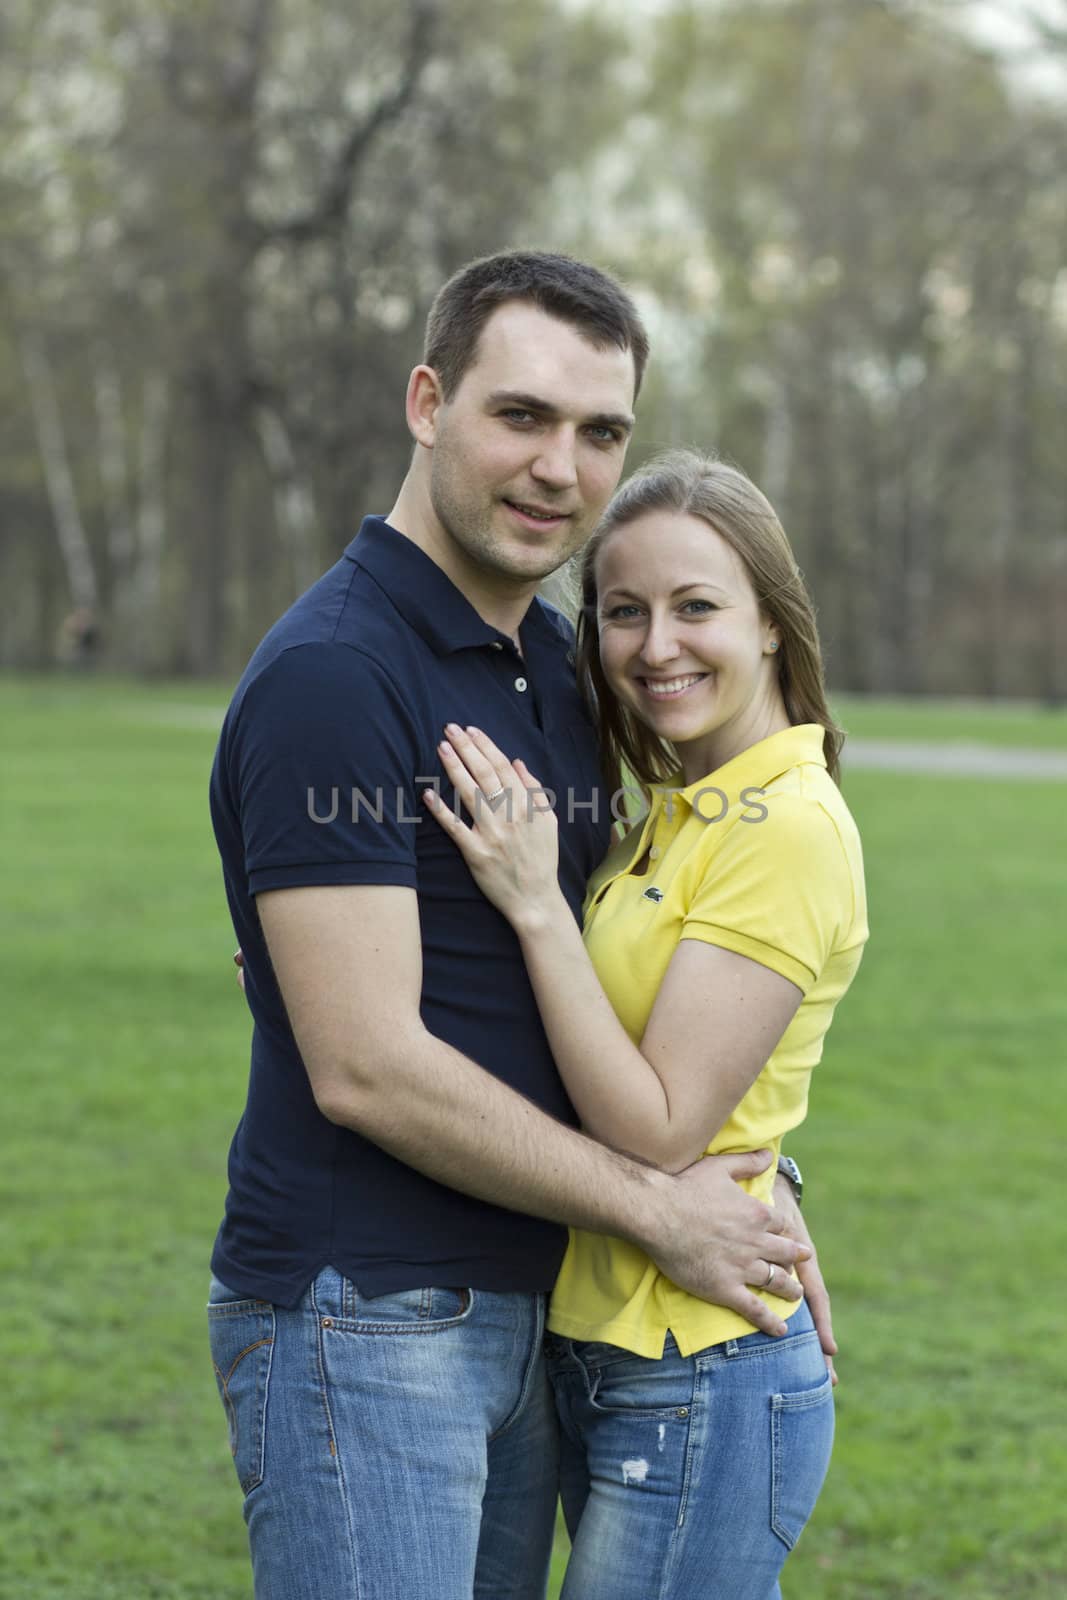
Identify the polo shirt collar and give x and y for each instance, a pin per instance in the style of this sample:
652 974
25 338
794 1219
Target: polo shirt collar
760 764
426 597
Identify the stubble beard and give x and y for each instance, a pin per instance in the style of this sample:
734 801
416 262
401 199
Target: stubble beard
469 528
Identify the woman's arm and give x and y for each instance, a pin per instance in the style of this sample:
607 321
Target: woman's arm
717 1016
716 1019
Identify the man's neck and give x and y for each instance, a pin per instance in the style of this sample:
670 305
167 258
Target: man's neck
501 606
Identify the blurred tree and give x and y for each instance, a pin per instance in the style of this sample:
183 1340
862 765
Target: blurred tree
254 202
870 292
223 224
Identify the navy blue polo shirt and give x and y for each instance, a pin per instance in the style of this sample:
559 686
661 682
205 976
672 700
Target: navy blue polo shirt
327 745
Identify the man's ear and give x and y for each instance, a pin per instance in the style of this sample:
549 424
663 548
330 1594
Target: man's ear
424 401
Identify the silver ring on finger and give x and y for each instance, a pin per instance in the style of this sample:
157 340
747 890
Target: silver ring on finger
768 1280
490 798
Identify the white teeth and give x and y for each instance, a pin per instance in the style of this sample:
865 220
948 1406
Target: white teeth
672 685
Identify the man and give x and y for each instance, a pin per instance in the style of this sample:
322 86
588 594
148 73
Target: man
407 1154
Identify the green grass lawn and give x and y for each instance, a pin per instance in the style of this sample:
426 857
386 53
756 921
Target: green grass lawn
934 1159
1007 723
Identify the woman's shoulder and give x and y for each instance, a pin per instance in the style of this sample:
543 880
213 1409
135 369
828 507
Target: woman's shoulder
797 837
807 802
814 836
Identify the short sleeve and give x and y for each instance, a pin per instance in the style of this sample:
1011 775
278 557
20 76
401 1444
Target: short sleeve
778 890
323 758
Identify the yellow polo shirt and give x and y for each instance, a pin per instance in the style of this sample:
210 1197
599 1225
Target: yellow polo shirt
761 857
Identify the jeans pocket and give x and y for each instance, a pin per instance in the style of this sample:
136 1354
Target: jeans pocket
242 1346
403 1311
638 1387
802 1437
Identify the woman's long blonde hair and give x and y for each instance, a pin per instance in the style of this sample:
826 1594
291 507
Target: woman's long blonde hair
697 485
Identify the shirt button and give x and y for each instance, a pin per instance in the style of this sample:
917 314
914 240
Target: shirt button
521 685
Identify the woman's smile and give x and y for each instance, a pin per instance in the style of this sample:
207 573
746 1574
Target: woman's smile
671 688
683 640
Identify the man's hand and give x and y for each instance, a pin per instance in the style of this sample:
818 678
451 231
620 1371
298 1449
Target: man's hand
374 1067
808 1270
717 1242
239 963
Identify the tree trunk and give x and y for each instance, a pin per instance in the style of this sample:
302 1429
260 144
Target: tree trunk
147 586
111 432
215 442
51 441
294 501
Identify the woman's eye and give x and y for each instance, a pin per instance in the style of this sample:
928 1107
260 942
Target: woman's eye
621 613
699 607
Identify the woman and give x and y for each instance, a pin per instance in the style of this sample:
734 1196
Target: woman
720 933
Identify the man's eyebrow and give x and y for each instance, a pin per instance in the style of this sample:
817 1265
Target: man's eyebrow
545 408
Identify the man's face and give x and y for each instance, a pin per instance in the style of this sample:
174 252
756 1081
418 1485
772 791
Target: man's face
529 448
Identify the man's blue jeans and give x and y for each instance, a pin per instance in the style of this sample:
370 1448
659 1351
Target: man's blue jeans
403 1447
690 1477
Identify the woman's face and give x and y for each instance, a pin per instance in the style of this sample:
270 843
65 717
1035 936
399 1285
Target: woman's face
682 640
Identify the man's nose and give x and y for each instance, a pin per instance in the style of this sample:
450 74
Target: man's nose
556 465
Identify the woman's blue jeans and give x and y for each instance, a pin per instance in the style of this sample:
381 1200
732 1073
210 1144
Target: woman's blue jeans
690 1478
396 1448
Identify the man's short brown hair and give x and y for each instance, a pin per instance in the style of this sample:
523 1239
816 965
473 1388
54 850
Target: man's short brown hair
574 292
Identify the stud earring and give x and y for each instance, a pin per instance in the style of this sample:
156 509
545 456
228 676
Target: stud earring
774 645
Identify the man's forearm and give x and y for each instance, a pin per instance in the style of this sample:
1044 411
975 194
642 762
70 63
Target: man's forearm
466 1129
374 1067
438 1111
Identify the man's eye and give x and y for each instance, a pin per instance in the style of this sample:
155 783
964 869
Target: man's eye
605 434
518 416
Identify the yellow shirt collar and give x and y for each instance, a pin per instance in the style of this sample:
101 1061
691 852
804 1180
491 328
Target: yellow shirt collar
757 766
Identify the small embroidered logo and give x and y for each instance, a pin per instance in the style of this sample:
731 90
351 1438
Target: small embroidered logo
653 894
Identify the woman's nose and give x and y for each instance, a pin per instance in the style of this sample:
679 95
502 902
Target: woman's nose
660 644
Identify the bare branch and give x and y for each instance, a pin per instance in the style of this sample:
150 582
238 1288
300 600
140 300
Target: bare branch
332 205
1050 32
196 84
174 62
242 79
